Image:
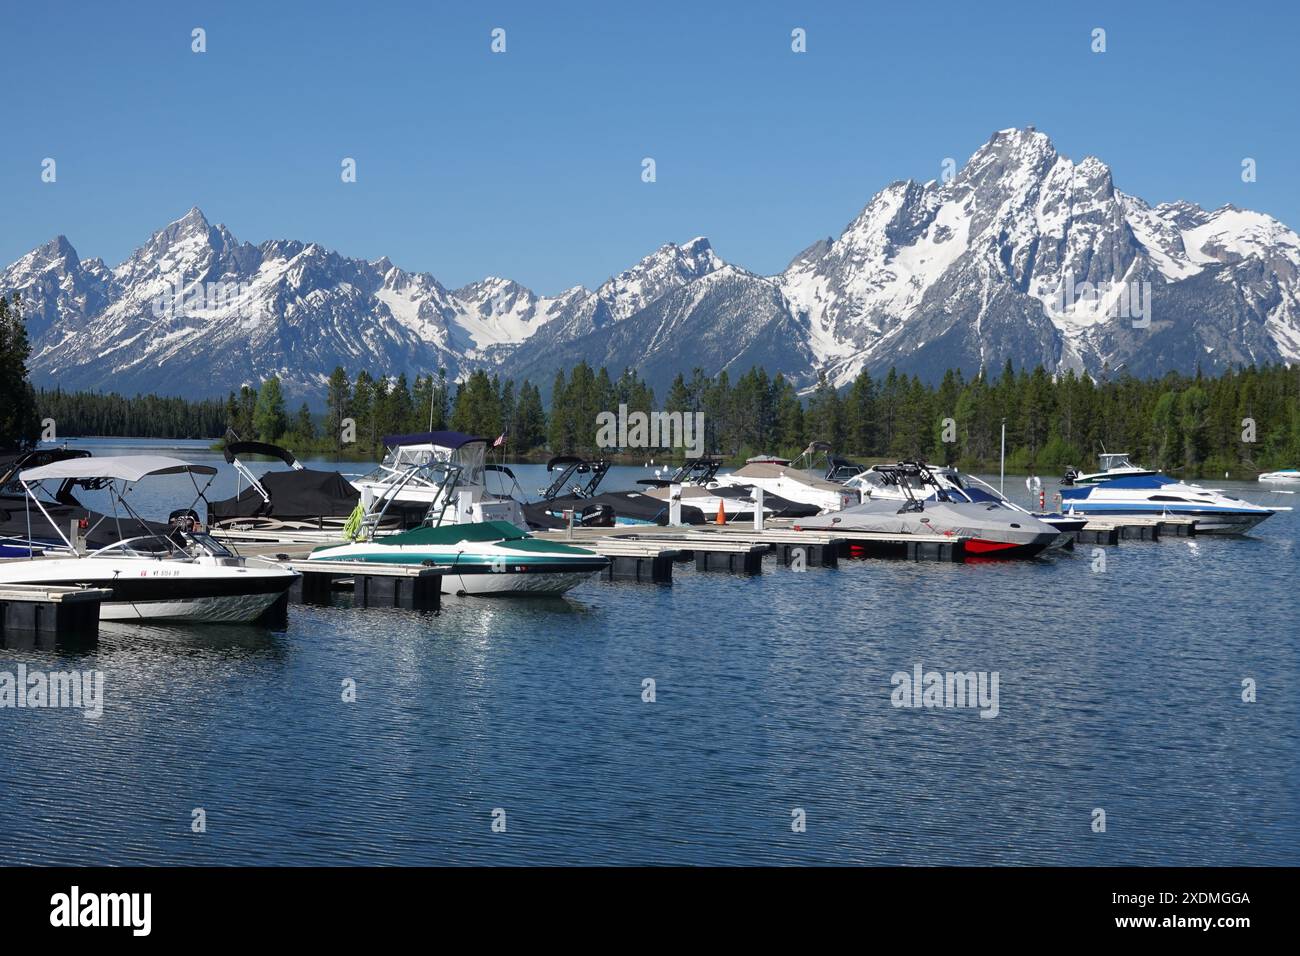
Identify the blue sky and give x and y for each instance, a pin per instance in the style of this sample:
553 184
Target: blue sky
527 164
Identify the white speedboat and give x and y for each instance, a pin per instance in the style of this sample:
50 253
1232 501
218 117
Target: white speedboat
1117 465
699 488
789 483
1154 495
1286 474
177 574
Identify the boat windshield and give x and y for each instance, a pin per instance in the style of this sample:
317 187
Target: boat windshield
1115 461
176 545
431 462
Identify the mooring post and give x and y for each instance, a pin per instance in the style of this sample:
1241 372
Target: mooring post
758 508
675 505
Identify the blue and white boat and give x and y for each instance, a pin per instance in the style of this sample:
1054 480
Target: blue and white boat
1286 474
1156 495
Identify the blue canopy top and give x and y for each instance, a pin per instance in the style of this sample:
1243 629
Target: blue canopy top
442 439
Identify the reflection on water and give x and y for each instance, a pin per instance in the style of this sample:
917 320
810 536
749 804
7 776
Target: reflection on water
1119 690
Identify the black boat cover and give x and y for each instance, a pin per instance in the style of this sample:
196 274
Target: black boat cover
102 530
294 495
631 506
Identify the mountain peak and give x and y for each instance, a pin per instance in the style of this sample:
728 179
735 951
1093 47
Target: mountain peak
58 247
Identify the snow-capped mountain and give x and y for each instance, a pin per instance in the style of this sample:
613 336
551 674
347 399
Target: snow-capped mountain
1027 255
1023 254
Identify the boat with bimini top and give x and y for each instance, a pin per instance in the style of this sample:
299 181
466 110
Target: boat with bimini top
172 572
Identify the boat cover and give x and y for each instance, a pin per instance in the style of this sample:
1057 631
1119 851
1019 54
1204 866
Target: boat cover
294 494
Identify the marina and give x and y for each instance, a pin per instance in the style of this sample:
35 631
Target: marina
303 535
765 701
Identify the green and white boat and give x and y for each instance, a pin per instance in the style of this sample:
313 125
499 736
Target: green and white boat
461 530
489 557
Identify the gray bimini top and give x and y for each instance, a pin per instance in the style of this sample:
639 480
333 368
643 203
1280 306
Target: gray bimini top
118 468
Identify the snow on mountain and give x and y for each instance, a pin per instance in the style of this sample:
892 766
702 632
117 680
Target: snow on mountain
1028 255
1024 254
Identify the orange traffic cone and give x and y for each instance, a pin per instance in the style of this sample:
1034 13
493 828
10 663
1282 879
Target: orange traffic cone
722 512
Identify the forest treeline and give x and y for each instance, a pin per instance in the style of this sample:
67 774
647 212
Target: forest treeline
1237 422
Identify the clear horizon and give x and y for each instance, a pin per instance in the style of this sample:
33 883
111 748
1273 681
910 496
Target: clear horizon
527 164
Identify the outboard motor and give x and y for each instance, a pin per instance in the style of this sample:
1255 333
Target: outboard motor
596 516
1071 473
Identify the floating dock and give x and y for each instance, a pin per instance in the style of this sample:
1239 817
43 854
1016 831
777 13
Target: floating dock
415 587
40 611
640 552
1119 528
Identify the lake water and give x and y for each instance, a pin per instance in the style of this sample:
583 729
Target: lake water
1119 690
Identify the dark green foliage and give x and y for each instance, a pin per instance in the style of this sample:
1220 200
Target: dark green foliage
1187 425
20 425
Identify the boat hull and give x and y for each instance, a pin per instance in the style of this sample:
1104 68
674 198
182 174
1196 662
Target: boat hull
989 534
1207 521
512 564
160 590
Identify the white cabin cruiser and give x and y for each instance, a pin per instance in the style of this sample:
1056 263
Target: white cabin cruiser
485 555
177 574
1117 465
410 481
1215 512
1286 474
779 477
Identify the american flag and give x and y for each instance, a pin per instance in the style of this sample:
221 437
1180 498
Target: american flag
501 440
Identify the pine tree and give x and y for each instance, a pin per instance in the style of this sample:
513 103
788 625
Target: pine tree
337 401
20 425
269 419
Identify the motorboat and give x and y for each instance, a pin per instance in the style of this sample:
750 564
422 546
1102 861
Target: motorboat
948 483
177 574
296 502
1116 465
485 557
1286 474
839 470
1214 511
696 482
784 479
991 530
575 488
62 509
411 481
